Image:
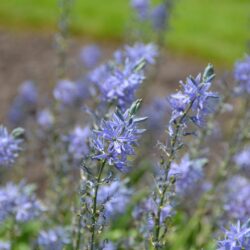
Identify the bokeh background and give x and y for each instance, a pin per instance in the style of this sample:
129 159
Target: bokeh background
201 31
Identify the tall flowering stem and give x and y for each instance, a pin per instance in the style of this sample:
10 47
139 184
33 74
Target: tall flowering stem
94 215
112 144
239 135
189 105
171 158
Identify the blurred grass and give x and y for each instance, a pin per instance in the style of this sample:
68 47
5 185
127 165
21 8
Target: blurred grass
210 29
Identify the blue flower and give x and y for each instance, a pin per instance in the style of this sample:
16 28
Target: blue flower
141 7
17 114
236 200
19 201
149 208
28 93
242 159
77 143
100 74
119 79
122 84
53 239
4 245
236 238
66 92
109 246
45 119
242 75
24 104
116 138
140 51
195 95
198 92
10 148
118 56
188 173
159 16
114 198
90 55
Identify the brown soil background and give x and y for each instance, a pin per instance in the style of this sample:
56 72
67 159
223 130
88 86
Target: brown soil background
32 56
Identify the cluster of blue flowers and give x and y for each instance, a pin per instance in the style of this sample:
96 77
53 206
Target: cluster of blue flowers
19 203
53 239
189 173
10 147
122 84
236 238
94 123
196 97
237 203
113 198
116 138
119 80
140 51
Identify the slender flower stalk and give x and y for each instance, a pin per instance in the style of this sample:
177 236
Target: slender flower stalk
189 105
171 158
94 215
79 233
112 144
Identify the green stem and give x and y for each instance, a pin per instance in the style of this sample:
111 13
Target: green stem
78 240
12 233
94 215
167 168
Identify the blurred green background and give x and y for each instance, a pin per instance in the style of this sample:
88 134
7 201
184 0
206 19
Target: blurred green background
215 30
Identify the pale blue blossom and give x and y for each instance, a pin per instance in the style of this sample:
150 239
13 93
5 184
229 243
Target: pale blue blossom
236 238
10 148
